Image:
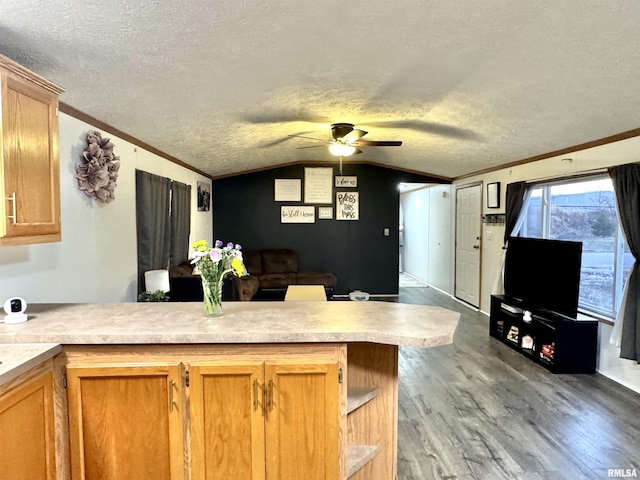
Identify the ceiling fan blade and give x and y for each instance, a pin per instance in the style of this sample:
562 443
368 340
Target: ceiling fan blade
312 146
377 143
310 138
354 135
429 127
273 143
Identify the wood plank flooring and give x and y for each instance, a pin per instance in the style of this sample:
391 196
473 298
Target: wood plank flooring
479 410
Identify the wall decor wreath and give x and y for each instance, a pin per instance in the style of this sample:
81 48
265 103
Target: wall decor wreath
97 171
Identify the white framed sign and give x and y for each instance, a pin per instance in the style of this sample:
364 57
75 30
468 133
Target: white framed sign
348 182
297 214
325 213
287 189
347 206
317 184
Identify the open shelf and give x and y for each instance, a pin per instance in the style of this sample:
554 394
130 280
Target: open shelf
358 456
560 343
358 396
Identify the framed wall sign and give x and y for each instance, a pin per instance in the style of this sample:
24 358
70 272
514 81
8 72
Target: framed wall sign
493 195
325 213
342 182
317 184
297 214
347 206
287 189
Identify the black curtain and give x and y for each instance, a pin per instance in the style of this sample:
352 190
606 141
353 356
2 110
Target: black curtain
514 200
180 222
626 183
152 223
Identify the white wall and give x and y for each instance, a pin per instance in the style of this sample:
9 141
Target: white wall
96 261
626 372
428 235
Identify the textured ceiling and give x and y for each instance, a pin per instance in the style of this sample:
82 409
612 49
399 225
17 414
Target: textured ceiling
219 84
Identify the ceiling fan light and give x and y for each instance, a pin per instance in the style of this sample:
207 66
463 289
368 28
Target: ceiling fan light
341 149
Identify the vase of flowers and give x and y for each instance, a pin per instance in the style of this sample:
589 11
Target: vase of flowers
214 264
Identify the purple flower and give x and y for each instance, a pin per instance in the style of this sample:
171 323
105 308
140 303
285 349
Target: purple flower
218 243
230 245
215 255
238 247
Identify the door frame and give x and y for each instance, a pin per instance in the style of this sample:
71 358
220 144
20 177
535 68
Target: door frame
455 242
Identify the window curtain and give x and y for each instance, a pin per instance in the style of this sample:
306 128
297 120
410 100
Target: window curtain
152 223
180 222
626 183
517 198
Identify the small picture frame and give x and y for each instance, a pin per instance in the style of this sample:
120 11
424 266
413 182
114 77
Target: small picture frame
325 213
493 195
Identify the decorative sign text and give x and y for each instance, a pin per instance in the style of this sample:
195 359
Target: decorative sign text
317 185
350 182
287 190
297 214
347 206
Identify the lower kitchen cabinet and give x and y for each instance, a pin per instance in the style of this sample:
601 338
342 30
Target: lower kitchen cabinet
125 422
27 450
270 420
208 412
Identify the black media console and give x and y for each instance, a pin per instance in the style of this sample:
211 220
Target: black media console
555 341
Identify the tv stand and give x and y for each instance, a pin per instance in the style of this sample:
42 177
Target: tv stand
557 342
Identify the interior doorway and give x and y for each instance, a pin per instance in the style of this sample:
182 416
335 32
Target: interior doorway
468 245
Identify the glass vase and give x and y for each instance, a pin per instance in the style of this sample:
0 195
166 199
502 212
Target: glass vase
212 298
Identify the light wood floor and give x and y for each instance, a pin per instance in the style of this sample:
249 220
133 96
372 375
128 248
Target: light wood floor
478 410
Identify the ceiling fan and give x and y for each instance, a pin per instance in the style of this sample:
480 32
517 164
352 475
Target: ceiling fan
347 139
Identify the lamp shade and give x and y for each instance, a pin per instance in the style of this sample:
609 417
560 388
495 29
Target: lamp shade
341 149
155 280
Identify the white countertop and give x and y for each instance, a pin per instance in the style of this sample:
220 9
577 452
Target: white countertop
241 322
18 359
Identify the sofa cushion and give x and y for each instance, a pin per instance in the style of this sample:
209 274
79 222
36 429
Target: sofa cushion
280 260
311 278
182 270
252 261
277 280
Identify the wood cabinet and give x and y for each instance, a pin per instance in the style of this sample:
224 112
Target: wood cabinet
126 422
207 412
270 419
559 343
29 157
27 444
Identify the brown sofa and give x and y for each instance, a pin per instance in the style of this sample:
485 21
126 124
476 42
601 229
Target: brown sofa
272 270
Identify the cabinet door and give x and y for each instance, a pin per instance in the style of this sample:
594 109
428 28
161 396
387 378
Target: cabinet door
227 423
27 449
125 423
31 196
302 421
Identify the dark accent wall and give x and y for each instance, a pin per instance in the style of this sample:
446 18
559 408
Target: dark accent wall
357 252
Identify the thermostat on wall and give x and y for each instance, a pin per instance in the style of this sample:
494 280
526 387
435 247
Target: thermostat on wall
15 307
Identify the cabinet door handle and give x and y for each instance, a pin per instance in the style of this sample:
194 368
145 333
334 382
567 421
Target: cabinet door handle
270 396
172 385
14 209
255 394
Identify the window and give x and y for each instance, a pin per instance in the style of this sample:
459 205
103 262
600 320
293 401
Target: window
585 210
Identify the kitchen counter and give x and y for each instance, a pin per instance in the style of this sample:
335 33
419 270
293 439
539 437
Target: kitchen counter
20 358
242 322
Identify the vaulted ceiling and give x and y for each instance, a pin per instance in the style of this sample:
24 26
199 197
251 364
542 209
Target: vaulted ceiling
221 84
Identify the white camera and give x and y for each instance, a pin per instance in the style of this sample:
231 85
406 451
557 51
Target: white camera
14 309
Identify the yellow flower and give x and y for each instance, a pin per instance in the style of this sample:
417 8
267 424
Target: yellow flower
200 245
237 266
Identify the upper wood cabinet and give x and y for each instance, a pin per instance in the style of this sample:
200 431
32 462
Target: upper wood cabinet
29 154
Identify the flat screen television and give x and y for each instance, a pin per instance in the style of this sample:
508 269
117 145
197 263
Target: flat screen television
544 273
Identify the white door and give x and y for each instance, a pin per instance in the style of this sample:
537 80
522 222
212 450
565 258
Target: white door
468 225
